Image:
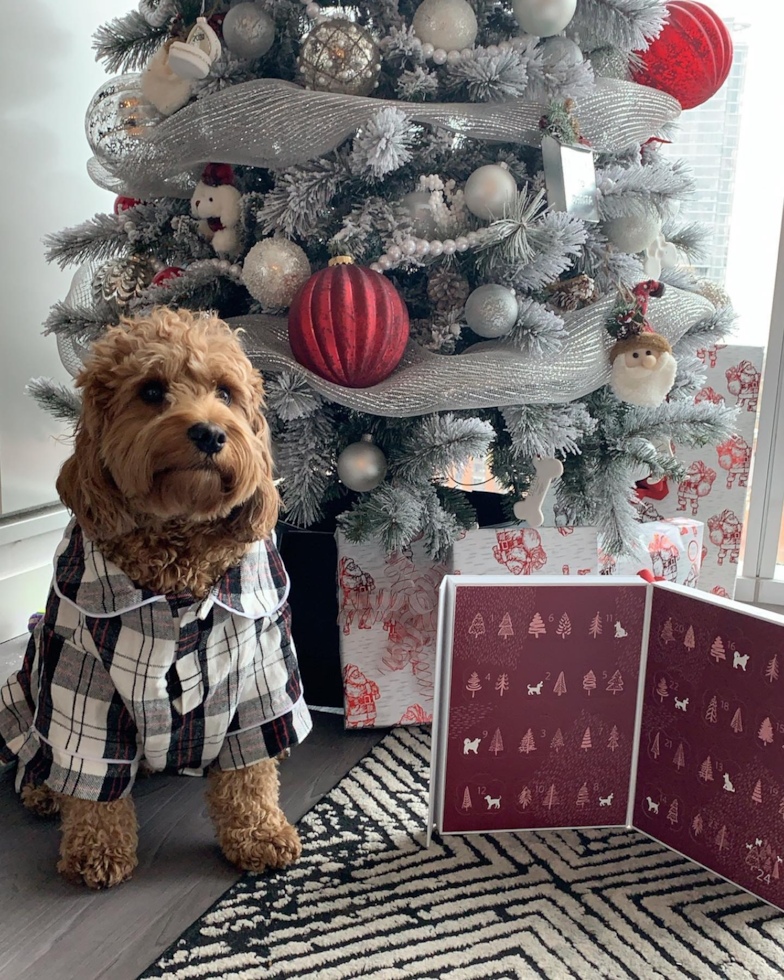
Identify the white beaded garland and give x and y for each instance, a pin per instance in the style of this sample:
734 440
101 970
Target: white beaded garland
436 248
490 191
445 24
449 247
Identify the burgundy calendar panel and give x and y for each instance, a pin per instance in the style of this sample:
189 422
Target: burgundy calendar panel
542 706
710 777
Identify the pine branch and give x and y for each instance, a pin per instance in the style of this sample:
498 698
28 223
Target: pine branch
306 462
59 400
127 43
547 430
629 25
538 331
97 239
437 443
75 321
688 424
393 514
290 397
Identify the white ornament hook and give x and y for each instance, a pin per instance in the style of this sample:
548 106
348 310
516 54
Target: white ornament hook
529 509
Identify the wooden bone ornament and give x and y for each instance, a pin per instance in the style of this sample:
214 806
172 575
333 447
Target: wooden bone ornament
529 509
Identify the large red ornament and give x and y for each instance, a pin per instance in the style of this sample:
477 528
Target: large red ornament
692 56
123 202
170 272
349 325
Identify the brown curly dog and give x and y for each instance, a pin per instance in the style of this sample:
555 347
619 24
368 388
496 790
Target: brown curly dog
172 493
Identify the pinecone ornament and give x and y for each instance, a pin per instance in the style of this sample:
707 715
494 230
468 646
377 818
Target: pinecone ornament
572 294
122 280
447 290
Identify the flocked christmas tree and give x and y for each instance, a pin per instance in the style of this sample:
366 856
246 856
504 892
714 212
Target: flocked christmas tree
440 154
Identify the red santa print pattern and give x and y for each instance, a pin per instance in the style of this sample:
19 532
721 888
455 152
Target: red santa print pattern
360 696
664 557
357 592
725 531
695 485
743 381
709 355
735 458
520 550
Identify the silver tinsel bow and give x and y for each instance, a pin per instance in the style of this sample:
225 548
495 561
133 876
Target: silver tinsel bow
271 123
492 374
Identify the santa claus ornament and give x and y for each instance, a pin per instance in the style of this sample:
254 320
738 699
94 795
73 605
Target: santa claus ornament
216 201
643 366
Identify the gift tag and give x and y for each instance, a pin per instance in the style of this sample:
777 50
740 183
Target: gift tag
529 509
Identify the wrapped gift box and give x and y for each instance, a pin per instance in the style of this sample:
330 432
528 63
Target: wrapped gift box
388 608
671 549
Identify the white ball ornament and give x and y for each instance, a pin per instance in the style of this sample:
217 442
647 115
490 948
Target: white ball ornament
543 18
634 232
273 271
491 310
362 466
490 191
446 24
248 30
561 51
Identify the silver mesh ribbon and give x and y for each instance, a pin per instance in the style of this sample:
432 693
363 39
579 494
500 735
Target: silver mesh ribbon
271 123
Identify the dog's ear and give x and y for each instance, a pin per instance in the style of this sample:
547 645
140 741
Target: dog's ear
85 485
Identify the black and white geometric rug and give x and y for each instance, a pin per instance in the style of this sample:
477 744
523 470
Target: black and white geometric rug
369 900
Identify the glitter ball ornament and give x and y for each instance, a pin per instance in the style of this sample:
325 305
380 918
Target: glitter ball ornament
609 63
362 466
120 281
543 18
446 24
633 232
447 290
248 30
339 56
490 191
491 310
273 271
692 56
560 51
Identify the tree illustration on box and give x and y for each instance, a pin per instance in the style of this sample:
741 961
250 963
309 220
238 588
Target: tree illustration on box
614 740
527 743
551 797
722 841
558 740
502 684
697 825
474 684
477 627
564 626
662 689
688 641
560 685
756 793
765 733
467 804
672 813
656 746
772 670
586 742
679 759
717 650
615 685
737 722
497 744
506 629
595 629
781 808
712 712
589 682
706 770
667 635
536 627
524 799
583 796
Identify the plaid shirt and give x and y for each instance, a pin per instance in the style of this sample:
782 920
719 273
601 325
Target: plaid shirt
115 674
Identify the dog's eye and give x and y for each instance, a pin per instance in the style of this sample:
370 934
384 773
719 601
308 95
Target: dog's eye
152 392
224 394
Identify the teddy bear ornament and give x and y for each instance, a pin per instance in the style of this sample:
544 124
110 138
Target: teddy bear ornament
216 202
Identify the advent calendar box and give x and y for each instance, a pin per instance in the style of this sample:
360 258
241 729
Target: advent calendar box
604 702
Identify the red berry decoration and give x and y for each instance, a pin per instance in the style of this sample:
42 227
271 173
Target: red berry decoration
122 203
348 325
692 56
170 272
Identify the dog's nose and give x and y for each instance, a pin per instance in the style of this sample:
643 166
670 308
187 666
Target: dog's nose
207 437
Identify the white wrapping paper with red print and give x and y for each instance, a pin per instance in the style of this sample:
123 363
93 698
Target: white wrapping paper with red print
670 549
389 606
715 486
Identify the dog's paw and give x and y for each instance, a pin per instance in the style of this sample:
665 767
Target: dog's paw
263 847
40 800
102 867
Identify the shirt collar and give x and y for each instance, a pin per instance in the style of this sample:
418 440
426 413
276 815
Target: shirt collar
254 588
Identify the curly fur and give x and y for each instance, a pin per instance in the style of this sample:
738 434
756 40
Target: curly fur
171 518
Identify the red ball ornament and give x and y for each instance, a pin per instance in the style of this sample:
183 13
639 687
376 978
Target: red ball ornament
170 272
692 56
122 203
348 325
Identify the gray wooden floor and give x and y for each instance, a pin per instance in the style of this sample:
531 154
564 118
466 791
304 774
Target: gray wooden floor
50 930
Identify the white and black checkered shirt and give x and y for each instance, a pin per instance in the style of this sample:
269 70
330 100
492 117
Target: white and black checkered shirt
114 674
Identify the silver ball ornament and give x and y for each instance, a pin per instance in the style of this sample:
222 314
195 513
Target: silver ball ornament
543 18
362 466
491 310
633 232
610 63
490 191
273 271
340 56
560 51
118 117
448 25
248 30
